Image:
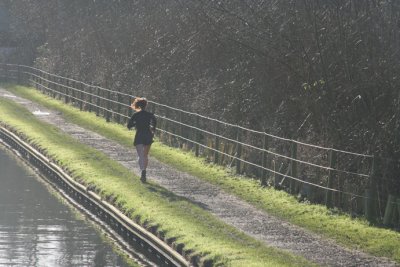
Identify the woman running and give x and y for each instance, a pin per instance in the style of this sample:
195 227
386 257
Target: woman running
145 124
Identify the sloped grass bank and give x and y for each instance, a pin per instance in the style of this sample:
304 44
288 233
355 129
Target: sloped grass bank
200 233
353 233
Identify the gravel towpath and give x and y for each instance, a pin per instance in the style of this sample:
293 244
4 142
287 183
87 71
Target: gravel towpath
230 209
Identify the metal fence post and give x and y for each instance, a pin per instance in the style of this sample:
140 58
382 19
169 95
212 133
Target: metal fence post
130 111
54 86
168 127
163 125
50 85
66 91
90 97
40 82
82 88
73 86
98 101
108 112
180 133
293 166
216 151
238 150
119 100
370 194
197 137
46 84
332 164
57 86
34 80
264 161
276 176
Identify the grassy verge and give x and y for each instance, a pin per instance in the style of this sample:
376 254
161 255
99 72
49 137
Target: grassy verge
353 233
148 204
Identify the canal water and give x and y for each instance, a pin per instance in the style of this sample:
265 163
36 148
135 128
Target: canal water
38 229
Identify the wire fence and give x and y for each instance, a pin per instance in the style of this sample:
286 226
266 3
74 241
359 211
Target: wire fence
338 178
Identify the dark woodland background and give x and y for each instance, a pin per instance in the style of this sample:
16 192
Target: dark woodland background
320 71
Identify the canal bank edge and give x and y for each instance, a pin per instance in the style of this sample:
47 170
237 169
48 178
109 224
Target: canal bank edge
156 249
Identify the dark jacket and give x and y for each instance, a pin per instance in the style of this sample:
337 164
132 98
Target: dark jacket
145 124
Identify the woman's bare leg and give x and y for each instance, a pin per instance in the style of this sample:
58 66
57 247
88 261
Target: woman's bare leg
146 150
141 154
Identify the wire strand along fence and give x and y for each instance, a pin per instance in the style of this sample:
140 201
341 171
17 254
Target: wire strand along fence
343 179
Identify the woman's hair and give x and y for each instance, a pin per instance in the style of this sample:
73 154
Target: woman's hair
140 103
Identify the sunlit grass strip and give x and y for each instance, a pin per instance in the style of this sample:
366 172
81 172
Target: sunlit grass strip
353 233
177 217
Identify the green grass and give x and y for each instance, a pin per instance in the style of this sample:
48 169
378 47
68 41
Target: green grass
149 204
353 233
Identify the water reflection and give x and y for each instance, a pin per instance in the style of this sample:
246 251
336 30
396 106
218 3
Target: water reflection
36 229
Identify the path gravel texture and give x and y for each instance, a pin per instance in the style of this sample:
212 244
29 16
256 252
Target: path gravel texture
230 209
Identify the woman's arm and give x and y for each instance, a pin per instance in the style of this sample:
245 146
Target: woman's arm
132 122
